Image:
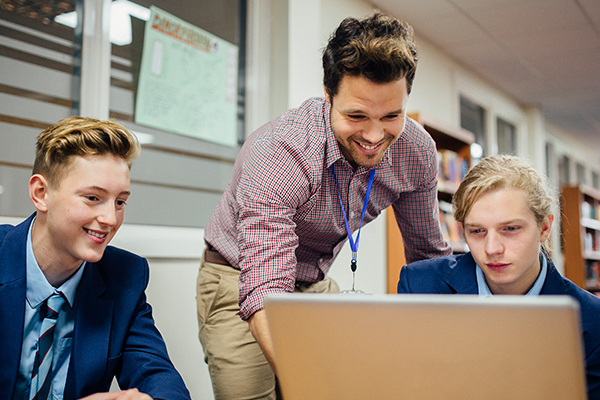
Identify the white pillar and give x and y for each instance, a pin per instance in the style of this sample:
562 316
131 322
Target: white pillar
258 64
304 51
536 138
95 59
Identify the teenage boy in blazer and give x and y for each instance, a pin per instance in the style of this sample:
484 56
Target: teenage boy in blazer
505 209
105 329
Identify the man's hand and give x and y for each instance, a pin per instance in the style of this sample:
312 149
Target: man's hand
260 330
131 394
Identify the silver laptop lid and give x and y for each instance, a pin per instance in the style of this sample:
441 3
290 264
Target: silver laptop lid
427 347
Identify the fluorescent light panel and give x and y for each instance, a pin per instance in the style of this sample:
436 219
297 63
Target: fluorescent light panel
121 12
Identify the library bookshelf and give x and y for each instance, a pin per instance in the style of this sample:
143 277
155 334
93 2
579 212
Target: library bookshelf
580 225
454 159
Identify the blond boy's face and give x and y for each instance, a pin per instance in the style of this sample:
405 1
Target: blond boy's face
84 211
505 239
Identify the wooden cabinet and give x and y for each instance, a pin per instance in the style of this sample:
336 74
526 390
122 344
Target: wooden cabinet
454 158
581 235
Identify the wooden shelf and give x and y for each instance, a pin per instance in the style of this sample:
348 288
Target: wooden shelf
581 235
447 187
444 135
591 255
447 138
590 223
459 247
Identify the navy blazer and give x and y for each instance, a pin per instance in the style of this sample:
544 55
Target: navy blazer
114 333
456 275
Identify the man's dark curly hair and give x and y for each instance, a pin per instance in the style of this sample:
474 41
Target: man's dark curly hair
380 48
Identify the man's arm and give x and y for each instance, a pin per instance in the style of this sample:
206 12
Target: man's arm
260 330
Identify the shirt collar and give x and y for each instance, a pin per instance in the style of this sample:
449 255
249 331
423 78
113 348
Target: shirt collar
38 287
332 149
535 290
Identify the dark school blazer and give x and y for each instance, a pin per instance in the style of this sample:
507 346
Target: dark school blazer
456 275
114 333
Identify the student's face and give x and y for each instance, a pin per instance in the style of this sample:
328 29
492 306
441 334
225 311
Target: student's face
505 239
367 117
83 214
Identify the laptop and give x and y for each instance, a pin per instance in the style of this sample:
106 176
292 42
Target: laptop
336 346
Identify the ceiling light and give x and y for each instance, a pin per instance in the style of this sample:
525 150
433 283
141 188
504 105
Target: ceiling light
121 12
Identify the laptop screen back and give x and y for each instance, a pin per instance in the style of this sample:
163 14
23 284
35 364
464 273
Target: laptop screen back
427 347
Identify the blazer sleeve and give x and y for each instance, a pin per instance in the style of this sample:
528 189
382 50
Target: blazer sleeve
145 363
592 371
403 286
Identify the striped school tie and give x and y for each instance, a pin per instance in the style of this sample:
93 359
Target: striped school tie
41 379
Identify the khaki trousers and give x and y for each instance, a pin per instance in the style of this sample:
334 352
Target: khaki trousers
238 369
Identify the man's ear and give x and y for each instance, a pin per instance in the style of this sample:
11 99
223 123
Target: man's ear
327 97
38 191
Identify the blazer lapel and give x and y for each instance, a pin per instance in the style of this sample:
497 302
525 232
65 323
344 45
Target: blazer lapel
12 304
91 335
462 278
554 284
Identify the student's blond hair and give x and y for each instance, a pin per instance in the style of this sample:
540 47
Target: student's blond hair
77 136
503 172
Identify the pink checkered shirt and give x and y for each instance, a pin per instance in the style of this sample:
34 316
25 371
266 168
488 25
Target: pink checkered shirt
280 221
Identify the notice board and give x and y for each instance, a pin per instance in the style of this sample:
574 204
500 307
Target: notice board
188 81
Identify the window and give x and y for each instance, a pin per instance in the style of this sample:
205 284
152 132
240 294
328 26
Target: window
224 19
507 141
472 118
38 87
581 178
564 171
171 182
178 180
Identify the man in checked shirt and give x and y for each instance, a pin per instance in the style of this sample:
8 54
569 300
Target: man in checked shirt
279 225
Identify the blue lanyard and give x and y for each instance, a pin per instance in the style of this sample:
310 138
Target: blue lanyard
354 244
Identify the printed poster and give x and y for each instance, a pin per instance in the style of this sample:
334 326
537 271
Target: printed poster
188 81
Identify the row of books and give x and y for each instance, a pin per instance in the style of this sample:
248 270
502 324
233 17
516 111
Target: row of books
592 269
589 210
591 241
451 167
451 229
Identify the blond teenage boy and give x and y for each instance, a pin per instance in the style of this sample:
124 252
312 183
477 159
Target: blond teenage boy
506 211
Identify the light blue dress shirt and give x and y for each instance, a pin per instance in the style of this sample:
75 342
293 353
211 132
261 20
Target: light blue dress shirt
38 290
484 290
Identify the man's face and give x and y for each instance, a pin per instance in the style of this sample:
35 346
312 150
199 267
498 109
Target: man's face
504 239
367 117
84 212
